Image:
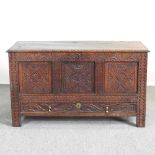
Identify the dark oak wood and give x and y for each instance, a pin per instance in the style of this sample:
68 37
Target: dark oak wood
78 79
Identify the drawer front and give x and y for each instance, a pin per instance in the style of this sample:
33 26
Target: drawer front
82 107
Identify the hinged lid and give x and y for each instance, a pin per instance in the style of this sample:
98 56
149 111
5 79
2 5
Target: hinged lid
97 46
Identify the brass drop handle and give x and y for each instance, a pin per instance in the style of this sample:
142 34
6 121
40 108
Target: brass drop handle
49 108
78 105
107 109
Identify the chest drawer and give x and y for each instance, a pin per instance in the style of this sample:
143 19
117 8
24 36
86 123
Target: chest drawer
80 107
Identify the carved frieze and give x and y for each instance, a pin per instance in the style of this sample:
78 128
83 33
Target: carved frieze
84 107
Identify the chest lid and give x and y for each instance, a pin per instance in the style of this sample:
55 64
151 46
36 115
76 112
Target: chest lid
71 46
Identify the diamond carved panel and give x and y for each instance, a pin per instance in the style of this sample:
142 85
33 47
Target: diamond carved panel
120 77
78 77
35 77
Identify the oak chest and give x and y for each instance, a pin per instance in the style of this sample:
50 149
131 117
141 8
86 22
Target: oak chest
78 79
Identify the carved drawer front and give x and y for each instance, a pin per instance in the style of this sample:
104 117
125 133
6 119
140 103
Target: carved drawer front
120 77
35 77
78 77
79 107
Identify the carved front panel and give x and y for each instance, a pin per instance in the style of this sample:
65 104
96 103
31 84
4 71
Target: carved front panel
120 77
80 107
35 77
78 77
